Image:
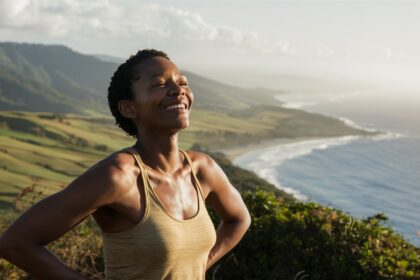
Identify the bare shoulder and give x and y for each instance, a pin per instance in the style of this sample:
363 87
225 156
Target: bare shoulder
103 184
222 196
210 174
118 171
200 159
202 163
121 163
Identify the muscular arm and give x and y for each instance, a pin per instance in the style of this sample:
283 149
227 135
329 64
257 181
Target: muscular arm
228 204
23 242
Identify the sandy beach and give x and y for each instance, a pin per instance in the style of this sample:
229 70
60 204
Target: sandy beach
236 151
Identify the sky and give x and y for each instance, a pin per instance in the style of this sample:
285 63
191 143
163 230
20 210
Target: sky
244 43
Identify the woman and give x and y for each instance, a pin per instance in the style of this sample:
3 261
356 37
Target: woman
147 199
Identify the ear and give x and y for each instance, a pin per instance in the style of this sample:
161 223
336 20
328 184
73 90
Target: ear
127 109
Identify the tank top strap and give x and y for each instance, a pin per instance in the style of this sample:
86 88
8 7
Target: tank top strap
144 177
197 183
137 157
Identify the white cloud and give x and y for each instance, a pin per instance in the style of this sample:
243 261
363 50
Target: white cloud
107 19
56 18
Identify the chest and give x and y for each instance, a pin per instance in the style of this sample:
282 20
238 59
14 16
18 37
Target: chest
178 196
166 243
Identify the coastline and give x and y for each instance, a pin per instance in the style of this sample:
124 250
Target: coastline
238 150
273 152
262 156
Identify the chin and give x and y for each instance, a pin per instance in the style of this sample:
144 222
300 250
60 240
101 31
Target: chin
185 125
184 122
180 126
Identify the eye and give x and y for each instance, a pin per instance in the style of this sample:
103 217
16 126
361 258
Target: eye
158 84
183 83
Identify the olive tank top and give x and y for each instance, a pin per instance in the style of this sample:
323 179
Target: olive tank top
160 246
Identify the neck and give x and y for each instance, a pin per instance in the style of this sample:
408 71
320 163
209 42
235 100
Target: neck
160 152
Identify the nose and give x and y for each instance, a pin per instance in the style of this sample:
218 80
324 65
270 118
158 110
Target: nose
176 89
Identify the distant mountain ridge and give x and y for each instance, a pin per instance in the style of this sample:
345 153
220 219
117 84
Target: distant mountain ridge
54 78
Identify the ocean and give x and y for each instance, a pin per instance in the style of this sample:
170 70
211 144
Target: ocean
361 176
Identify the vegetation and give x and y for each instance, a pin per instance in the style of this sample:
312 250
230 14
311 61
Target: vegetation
36 77
309 241
287 240
243 179
42 152
56 147
56 79
54 142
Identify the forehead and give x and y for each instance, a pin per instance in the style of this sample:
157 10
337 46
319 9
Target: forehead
155 66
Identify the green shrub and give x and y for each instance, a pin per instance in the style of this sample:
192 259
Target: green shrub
310 241
80 248
285 241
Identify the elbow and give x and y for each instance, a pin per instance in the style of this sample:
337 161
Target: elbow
9 249
244 222
247 220
3 248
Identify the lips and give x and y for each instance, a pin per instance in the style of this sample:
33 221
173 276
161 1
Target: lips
176 105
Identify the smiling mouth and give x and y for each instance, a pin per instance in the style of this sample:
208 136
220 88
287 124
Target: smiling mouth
177 109
181 106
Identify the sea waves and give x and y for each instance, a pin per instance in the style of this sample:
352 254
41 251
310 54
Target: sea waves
360 175
265 162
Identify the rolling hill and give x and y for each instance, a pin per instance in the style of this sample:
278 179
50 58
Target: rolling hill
55 122
49 149
57 79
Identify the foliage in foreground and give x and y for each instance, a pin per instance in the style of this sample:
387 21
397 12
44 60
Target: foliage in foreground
80 248
310 241
285 241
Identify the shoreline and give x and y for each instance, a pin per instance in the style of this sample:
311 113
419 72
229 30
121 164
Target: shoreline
291 148
272 157
238 150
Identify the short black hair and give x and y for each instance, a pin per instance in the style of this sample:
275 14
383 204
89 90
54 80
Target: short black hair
120 87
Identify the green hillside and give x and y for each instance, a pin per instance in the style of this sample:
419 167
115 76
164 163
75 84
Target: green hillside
51 78
52 149
57 79
55 122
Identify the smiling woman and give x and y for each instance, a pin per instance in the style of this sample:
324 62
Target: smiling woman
148 199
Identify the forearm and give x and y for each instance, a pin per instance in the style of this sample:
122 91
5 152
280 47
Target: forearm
40 263
228 235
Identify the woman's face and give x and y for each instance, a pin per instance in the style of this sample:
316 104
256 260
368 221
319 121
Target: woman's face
162 97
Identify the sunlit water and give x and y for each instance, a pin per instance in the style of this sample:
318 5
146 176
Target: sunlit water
362 176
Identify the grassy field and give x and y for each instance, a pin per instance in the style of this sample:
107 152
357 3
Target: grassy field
51 149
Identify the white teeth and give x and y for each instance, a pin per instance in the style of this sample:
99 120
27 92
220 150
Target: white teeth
177 106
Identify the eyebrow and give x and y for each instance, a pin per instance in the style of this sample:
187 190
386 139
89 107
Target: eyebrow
160 74
138 76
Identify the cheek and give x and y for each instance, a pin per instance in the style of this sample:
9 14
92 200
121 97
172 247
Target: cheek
149 111
145 110
191 96
150 101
